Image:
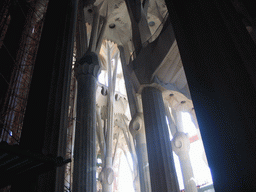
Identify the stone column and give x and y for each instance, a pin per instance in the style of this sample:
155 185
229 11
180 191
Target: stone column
137 130
136 126
85 137
162 171
181 146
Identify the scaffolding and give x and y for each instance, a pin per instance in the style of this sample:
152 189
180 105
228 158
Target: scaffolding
17 94
5 20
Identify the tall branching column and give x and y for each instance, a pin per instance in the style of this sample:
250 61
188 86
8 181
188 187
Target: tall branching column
181 146
107 175
137 129
136 126
85 137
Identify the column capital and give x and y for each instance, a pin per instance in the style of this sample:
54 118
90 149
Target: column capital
88 64
160 85
154 83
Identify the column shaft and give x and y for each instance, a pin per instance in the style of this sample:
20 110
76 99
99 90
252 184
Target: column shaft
162 171
141 149
85 136
187 173
181 146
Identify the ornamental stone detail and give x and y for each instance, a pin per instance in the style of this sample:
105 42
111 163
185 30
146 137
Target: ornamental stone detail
136 124
180 143
88 64
107 175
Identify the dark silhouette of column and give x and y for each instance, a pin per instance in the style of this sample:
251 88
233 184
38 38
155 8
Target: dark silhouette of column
85 136
162 170
219 60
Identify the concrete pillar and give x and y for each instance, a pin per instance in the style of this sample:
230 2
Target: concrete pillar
181 146
162 171
137 130
85 137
